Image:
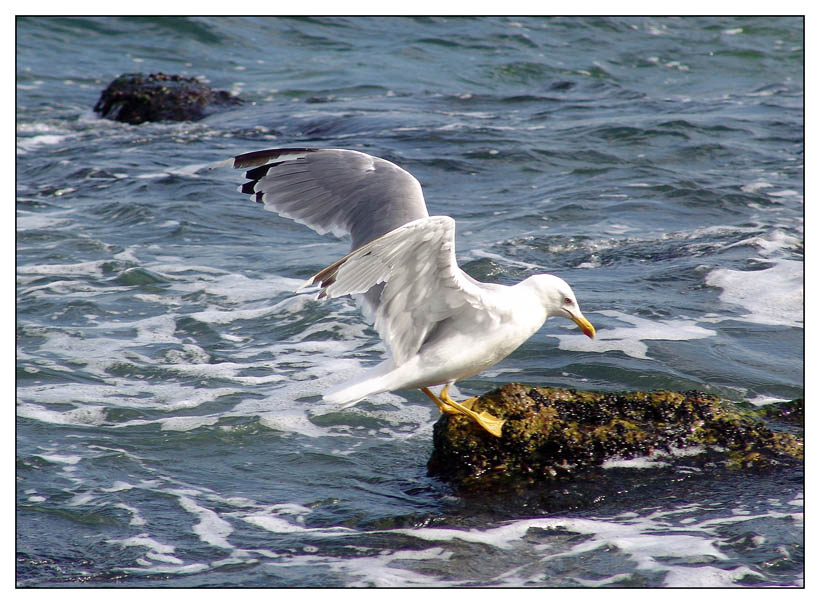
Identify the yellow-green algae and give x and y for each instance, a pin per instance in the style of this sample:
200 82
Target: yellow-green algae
553 433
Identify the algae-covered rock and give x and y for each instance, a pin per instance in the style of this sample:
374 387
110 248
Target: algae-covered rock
786 411
135 98
553 433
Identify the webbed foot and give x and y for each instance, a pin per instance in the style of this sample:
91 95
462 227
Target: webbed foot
484 419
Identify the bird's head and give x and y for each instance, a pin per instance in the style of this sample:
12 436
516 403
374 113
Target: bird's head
559 300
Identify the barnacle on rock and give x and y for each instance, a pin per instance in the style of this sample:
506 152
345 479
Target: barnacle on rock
553 433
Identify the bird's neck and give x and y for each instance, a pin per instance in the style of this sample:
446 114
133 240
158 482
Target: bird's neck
529 304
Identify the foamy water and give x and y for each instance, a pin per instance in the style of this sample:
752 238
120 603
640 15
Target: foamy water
170 429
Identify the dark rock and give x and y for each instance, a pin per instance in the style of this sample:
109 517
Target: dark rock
135 98
553 434
787 411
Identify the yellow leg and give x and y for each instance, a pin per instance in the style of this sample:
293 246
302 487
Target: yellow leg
442 406
445 398
447 405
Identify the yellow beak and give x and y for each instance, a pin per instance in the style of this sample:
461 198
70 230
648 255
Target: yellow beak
585 325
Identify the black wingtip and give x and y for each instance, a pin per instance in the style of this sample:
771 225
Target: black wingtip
259 158
261 171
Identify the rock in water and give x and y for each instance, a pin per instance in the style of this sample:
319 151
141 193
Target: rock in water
552 433
135 98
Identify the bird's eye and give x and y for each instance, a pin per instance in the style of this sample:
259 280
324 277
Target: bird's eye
568 300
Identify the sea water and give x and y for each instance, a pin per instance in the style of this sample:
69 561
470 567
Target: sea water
170 429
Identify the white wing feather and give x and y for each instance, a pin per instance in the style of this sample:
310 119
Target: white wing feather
334 190
423 283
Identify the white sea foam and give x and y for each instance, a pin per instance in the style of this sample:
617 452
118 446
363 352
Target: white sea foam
63 459
28 221
163 558
186 423
230 286
630 340
144 540
756 186
773 245
219 317
655 460
211 528
649 544
276 524
83 416
150 568
35 143
92 268
384 569
479 253
671 543
136 518
763 399
772 296
291 365
155 330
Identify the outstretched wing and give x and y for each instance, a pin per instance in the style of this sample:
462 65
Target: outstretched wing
423 285
334 190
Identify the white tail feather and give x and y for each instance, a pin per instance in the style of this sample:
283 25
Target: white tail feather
351 392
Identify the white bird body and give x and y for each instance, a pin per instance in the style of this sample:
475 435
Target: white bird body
462 354
440 324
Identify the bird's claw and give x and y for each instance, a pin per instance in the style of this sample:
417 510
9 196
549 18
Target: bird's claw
447 405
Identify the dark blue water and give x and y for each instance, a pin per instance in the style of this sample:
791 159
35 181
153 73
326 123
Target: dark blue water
169 429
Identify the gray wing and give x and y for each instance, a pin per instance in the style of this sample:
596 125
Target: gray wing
423 284
334 190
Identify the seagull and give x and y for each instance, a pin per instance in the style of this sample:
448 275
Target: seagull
439 324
